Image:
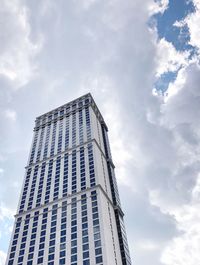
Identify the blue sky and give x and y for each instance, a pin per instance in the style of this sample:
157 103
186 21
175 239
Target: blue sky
141 64
176 11
178 36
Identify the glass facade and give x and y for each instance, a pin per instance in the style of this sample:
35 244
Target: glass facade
69 210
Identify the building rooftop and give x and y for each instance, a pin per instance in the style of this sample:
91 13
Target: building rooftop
67 108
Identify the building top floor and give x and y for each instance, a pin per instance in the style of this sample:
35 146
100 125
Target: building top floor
67 109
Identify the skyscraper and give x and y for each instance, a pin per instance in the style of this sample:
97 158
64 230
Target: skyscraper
69 210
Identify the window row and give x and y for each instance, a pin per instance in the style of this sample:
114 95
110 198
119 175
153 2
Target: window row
45 233
54 180
63 111
56 137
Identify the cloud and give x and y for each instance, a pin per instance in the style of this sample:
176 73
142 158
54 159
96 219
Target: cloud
16 49
2 257
5 212
180 115
110 62
158 6
178 109
188 218
105 47
163 152
168 58
6 227
191 21
10 114
148 245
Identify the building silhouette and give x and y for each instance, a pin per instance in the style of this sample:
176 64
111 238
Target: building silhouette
69 210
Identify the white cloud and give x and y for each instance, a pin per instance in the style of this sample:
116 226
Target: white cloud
180 198
106 48
182 93
86 4
6 212
148 245
158 6
16 48
175 86
184 250
2 257
11 114
179 24
168 58
192 21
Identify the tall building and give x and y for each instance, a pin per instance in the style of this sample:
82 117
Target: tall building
69 210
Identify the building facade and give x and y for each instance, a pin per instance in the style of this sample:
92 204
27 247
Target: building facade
69 210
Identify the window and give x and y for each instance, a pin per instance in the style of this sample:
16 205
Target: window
59 149
73 243
88 127
74 250
85 239
97 243
73 258
40 144
86 262
62 246
53 139
85 247
85 254
41 253
99 259
62 261
67 133
51 257
51 249
40 260
98 251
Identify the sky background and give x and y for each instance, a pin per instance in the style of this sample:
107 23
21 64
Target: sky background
140 61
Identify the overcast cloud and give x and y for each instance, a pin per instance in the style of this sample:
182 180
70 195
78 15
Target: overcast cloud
54 51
